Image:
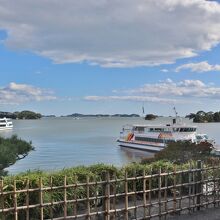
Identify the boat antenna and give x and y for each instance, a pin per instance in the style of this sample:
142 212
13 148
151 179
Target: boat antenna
176 114
143 112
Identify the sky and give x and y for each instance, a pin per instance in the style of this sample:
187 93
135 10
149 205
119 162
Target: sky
88 56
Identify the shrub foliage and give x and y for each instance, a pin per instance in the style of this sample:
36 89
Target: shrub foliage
11 150
184 151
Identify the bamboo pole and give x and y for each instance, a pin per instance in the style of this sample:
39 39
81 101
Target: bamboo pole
2 198
159 194
106 202
174 189
27 200
15 202
51 197
126 195
181 189
115 196
135 195
165 194
202 186
87 197
194 189
190 186
206 188
65 199
149 194
75 197
41 199
199 185
96 197
214 186
218 187
144 193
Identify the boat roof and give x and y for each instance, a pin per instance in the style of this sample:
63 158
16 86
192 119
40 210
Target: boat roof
165 126
8 119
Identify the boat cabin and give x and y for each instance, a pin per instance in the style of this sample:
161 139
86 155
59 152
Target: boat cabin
167 128
5 123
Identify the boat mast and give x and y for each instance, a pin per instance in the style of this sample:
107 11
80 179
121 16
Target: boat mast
143 112
176 115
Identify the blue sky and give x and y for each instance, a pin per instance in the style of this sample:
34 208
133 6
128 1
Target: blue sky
93 59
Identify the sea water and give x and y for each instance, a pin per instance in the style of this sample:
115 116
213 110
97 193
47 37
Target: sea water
66 142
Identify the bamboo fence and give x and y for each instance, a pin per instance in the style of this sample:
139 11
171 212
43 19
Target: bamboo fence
146 196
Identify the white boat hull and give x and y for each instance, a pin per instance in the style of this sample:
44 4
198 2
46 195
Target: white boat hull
140 146
5 128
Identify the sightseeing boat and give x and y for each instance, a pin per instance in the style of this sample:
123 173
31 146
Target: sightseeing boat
5 124
156 137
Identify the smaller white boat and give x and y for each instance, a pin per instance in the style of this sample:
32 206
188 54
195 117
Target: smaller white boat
5 124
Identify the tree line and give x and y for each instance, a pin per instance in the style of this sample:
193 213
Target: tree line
202 117
21 115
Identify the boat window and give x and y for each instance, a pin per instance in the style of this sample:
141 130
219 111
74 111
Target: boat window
187 129
153 140
147 139
139 129
175 129
199 137
156 129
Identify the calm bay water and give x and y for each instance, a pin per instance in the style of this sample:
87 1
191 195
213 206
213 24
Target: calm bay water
65 142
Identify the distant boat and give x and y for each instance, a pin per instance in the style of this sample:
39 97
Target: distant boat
156 137
5 124
76 118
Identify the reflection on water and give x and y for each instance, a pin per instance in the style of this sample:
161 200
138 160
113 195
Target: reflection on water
134 155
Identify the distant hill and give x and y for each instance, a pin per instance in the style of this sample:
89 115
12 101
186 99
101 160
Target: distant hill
21 115
33 115
8 115
78 115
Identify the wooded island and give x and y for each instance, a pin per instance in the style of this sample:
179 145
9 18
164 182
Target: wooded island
21 115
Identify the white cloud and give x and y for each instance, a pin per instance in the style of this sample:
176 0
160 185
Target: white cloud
186 91
130 98
198 67
20 93
116 33
165 70
185 88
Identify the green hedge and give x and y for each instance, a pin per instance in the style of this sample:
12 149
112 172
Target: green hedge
79 175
